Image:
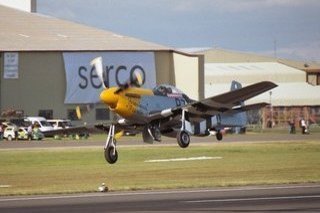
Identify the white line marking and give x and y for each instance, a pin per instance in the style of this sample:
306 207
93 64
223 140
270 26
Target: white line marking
61 35
5 186
183 159
155 193
253 199
23 35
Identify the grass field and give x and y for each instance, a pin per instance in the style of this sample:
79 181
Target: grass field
71 170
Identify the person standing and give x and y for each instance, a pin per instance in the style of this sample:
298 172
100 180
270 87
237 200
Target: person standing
292 128
30 132
1 131
303 126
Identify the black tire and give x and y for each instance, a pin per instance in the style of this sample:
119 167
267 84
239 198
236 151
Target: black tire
219 136
183 139
111 155
157 134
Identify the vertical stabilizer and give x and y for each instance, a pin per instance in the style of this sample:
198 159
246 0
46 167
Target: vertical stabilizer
240 117
235 85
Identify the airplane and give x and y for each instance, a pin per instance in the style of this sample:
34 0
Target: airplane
165 110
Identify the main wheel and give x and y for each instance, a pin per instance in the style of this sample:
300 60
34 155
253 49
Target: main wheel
111 154
183 139
219 136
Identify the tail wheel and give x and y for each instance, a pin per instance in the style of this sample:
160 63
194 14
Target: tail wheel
183 139
111 154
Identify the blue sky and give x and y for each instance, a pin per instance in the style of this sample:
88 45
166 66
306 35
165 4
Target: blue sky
242 25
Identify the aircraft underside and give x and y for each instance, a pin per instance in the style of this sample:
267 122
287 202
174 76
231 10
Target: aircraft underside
166 110
178 127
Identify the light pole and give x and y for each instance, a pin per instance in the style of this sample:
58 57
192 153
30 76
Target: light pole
271 108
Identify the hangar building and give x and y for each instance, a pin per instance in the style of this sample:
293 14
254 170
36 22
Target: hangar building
297 95
45 70
217 55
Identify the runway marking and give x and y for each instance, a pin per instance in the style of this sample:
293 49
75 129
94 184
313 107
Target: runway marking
183 159
253 199
153 193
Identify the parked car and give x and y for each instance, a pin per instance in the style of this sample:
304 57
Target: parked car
23 134
70 129
9 133
9 124
60 123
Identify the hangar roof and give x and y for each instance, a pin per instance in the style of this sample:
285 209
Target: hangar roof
217 55
24 31
252 72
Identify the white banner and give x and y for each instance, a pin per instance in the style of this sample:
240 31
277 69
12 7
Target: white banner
83 84
11 65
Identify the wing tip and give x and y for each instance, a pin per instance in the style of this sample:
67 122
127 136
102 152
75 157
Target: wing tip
269 84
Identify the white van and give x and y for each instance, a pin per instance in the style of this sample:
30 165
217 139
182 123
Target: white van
44 125
60 123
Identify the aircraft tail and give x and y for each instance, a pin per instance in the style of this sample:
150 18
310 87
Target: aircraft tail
240 116
235 85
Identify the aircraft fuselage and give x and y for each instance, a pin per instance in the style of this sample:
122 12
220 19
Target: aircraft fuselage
137 103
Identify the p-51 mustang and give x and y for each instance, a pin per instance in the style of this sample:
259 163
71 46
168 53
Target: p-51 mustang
165 110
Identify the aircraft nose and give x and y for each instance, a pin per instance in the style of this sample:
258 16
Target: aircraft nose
108 97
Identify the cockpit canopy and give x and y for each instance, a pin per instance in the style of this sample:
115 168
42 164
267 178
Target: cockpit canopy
170 91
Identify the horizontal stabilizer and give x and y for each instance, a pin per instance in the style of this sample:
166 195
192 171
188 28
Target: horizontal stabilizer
244 93
251 107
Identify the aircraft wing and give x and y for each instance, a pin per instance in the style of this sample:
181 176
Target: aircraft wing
71 130
226 101
200 110
104 127
220 103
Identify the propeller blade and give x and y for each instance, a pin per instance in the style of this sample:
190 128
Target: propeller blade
121 88
97 63
119 134
136 80
82 110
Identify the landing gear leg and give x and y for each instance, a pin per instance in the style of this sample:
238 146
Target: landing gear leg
110 151
183 137
154 132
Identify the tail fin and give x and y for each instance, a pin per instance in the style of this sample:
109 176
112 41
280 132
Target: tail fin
234 86
241 116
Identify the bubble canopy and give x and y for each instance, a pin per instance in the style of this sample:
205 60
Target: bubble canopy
170 91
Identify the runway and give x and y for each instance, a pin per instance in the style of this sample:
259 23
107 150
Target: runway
137 141
287 198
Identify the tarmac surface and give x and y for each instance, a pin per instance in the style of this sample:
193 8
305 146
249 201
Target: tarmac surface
137 140
282 198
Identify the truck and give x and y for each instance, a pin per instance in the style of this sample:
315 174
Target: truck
41 122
